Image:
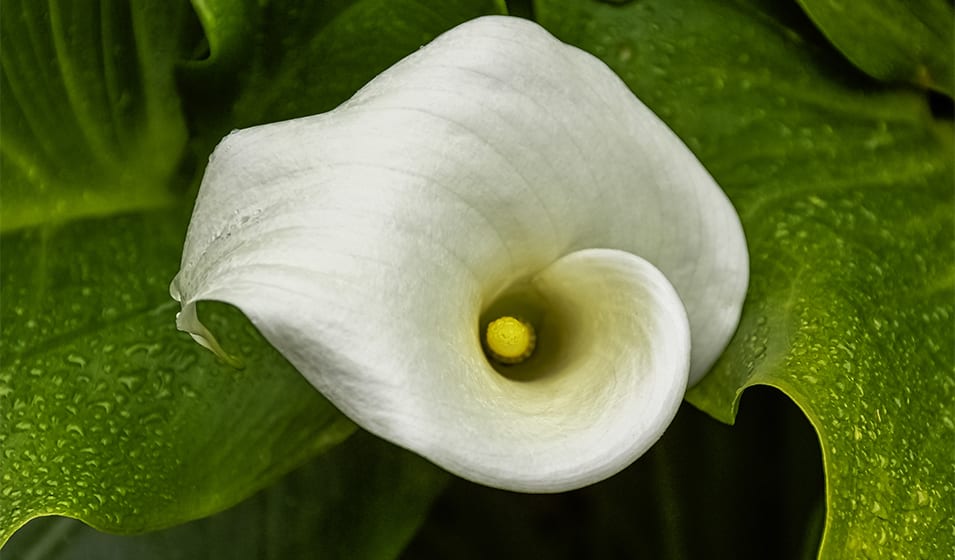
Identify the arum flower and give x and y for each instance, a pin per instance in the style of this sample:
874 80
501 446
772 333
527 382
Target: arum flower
493 255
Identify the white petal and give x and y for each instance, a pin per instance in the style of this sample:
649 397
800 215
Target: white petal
365 242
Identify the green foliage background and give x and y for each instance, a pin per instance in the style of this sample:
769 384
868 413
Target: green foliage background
831 134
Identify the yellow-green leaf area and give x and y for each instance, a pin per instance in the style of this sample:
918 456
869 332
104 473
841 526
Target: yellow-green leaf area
92 122
112 417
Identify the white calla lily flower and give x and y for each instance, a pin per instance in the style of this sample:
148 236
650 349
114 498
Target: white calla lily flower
496 173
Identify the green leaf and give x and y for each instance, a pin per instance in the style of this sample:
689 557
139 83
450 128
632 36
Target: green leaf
895 40
363 499
110 415
91 119
310 57
228 25
844 189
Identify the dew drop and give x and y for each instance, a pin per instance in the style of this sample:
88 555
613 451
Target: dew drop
131 382
147 349
105 405
76 359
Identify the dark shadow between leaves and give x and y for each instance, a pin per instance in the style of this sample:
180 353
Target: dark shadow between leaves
705 490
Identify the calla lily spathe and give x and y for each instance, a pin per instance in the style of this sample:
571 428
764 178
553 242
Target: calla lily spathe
494 167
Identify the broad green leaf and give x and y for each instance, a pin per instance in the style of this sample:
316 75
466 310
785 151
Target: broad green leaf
312 56
897 40
110 415
92 124
364 499
844 189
